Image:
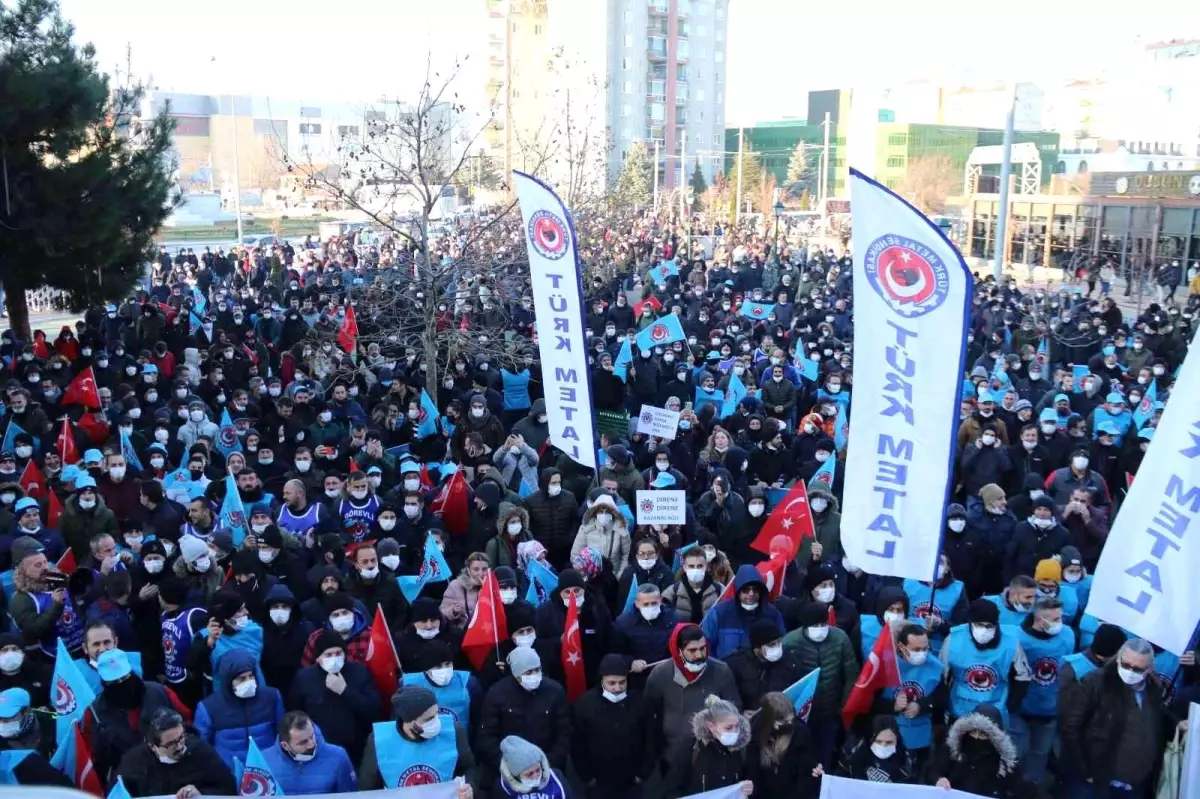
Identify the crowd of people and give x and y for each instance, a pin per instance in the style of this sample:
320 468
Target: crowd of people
239 372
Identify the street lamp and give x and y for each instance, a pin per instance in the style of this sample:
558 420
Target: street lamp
778 209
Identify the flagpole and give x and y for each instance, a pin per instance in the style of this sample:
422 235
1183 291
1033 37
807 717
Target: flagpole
492 606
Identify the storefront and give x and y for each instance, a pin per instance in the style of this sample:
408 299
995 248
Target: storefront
1137 218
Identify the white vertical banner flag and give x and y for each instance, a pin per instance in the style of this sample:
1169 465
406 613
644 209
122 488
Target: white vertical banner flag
912 306
558 305
1146 579
845 788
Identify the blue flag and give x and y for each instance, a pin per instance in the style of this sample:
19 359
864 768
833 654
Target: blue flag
119 791
525 489
434 569
623 359
427 420
629 600
733 395
1043 354
839 430
233 512
809 369
9 760
801 693
825 474
666 269
1144 412
10 436
257 779
127 450
661 332
180 481
758 311
775 496
714 397
193 323
1080 372
198 300
679 553
542 582
71 694
227 438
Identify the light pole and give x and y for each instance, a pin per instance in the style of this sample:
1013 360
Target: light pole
778 209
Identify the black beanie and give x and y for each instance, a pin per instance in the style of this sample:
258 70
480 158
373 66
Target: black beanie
1108 640
812 614
614 665
433 654
763 632
339 600
173 590
426 609
981 611
328 639
518 615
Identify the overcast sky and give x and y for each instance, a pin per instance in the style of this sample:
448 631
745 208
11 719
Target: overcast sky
360 50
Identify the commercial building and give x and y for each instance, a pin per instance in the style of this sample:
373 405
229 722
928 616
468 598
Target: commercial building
612 71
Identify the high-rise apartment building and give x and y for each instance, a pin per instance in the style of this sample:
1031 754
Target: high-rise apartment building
644 70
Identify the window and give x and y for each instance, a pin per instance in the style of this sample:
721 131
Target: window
625 16
719 35
717 76
627 110
310 111
895 161
628 40
718 56
720 97
198 126
627 134
720 10
348 131
627 88
898 140
699 95
657 112
537 29
698 138
625 64
309 128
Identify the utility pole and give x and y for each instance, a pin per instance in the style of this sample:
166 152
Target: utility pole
656 176
1005 179
237 169
825 158
682 175
737 213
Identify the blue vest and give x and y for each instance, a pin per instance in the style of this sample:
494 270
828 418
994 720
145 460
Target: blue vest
1070 602
69 626
298 525
177 635
454 701
358 519
1122 421
1046 657
404 763
516 390
1088 624
869 628
1080 664
551 790
1082 589
918 682
944 601
1166 666
249 638
1008 616
980 676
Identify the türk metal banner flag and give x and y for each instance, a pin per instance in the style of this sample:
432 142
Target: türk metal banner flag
912 303
1146 578
558 305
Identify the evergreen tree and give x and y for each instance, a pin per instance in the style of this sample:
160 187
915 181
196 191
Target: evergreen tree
86 182
635 183
799 173
750 169
698 188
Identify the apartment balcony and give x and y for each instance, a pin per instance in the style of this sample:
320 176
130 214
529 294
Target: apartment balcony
658 8
681 116
682 50
683 8
681 96
656 49
656 90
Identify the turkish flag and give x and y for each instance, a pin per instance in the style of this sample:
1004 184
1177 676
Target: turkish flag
773 572
82 390
879 672
790 518
54 511
85 776
489 625
1128 481
382 661
639 308
347 337
452 504
67 563
96 427
67 449
572 653
32 481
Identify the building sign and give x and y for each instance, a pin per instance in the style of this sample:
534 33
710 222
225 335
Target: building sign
1183 185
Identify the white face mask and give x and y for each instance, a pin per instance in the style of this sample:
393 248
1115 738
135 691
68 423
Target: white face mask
10 729
412 511
391 561
729 738
267 555
369 574
281 616
825 594
554 489
342 624
246 690
646 564
530 682
1072 577
412 484
87 504
918 658
359 493
441 676
1130 677
578 601
819 633
694 576
525 640
605 519
614 698
513 528
882 752
1049 429
771 654
196 416
333 664
957 525
428 635
477 413
153 566
303 466
333 493
202 564
757 509
819 504
11 661
508 595
239 622
1079 463
892 617
982 635
650 612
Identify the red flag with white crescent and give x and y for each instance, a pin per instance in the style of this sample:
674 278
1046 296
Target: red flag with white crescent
791 518
572 653
488 625
880 671
83 390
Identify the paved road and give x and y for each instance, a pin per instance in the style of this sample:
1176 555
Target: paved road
51 322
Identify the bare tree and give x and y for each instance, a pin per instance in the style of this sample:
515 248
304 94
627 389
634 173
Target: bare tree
928 181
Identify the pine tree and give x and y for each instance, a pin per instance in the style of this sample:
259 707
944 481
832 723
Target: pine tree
87 183
799 173
635 182
699 186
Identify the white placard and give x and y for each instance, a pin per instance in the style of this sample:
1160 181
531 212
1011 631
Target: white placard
658 422
844 788
661 507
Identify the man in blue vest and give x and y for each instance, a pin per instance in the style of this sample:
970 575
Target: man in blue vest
1104 647
181 620
458 693
985 663
416 747
1016 601
41 607
1046 641
921 693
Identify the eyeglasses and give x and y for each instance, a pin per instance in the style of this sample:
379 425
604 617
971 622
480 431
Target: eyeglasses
177 743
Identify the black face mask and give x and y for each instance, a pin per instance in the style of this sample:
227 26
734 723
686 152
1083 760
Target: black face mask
126 694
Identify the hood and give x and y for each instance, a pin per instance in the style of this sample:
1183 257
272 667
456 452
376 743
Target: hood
234 662
319 573
1033 481
538 408
735 458
493 474
676 658
977 722
360 620
703 734
888 596
506 512
589 516
822 490
281 593
748 575
544 477
815 419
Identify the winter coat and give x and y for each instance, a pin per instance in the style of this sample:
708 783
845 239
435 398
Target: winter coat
660 575
674 701
534 432
384 593
501 550
993 531
116 730
639 639
595 629
283 646
145 775
681 598
554 521
983 768
541 717
78 526
519 468
227 722
726 520
707 764
756 677
612 542
629 480
827 526
792 774
346 718
836 656
330 770
612 742
1029 545
727 628
458 603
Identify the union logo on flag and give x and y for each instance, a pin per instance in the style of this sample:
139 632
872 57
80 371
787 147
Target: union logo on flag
257 782
757 310
659 332
64 697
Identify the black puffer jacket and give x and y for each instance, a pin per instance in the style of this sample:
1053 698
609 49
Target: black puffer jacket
707 764
756 677
984 768
554 521
144 775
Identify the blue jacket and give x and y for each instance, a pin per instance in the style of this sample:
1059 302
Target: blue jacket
727 625
227 722
645 640
329 771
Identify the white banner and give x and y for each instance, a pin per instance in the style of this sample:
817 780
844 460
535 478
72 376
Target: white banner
661 507
845 788
1189 782
1146 579
912 303
442 790
732 792
558 306
659 422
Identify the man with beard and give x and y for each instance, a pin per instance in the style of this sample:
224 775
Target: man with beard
41 607
173 761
